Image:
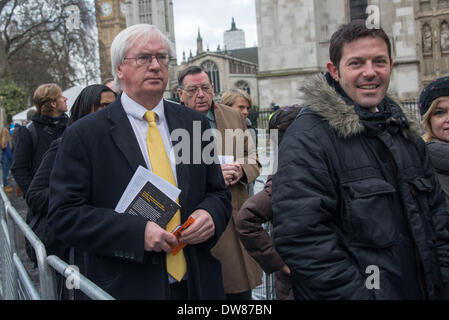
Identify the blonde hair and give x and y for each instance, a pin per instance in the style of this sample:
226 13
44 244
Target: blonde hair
44 95
228 98
429 135
5 138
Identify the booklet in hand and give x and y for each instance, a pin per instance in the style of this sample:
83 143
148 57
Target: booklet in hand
153 204
153 198
139 179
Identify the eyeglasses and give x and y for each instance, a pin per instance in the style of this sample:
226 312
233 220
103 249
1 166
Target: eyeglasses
147 59
191 91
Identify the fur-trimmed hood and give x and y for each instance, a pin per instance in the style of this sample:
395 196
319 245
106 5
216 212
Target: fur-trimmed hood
326 102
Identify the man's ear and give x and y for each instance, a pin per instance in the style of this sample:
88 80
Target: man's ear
118 71
333 70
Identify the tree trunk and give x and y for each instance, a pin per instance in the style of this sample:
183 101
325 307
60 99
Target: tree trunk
5 74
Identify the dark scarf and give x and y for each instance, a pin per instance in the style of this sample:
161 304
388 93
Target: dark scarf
51 125
390 116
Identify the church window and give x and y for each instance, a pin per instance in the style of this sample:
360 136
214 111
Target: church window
444 37
236 67
425 5
443 3
231 67
357 9
145 11
241 68
211 69
243 85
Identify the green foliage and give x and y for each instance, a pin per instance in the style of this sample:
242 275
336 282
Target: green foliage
12 99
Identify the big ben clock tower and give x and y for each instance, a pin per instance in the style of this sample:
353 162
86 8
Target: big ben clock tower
111 20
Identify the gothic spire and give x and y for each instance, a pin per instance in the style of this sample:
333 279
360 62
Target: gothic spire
233 27
199 43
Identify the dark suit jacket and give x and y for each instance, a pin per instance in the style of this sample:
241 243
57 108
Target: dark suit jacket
96 159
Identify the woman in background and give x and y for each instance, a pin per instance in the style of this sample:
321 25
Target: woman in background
92 98
237 99
434 107
6 158
241 101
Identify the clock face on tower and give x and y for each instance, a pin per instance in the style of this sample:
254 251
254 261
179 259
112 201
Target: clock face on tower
106 9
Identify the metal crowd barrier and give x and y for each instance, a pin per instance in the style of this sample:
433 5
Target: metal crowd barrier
15 282
266 290
85 285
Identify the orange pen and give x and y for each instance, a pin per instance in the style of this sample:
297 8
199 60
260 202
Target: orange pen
177 233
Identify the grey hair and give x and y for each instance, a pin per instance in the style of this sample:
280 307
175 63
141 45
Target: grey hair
127 38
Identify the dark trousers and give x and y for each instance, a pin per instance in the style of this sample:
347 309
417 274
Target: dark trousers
178 290
246 295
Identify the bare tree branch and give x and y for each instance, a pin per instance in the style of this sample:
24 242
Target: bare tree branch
43 49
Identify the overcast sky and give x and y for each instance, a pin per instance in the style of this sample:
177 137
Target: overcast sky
213 17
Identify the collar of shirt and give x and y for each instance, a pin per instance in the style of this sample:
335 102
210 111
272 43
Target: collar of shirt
137 111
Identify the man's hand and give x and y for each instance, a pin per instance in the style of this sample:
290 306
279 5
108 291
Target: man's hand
232 173
200 230
285 269
239 173
157 239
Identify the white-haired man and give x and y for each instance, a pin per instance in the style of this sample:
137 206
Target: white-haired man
128 256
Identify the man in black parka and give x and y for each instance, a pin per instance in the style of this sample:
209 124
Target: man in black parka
358 211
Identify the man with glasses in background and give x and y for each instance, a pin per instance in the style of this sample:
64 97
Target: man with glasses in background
240 272
127 255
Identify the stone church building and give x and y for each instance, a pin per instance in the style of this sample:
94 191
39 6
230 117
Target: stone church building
294 36
293 43
235 66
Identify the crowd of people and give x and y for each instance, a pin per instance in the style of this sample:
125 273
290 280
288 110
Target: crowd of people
357 188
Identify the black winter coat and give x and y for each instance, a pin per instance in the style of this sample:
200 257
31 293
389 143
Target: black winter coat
439 155
96 159
26 159
358 210
37 200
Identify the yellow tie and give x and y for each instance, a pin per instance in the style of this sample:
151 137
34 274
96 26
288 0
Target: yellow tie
176 265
